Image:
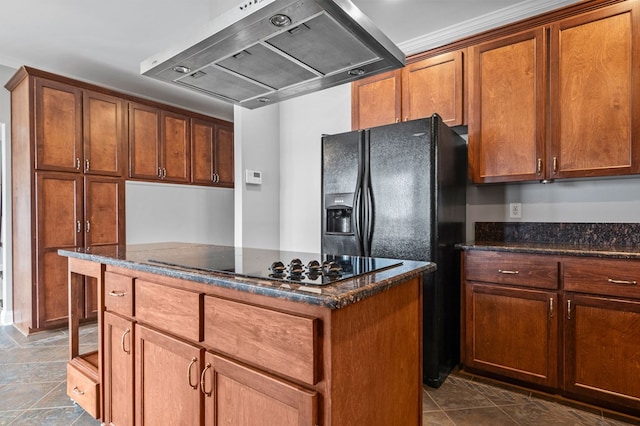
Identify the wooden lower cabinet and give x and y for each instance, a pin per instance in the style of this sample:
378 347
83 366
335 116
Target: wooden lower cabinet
119 353
513 332
580 340
236 394
167 374
602 349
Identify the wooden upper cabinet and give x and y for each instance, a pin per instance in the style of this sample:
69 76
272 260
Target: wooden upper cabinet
507 108
422 88
211 153
595 93
159 144
104 134
434 85
58 130
144 142
175 147
104 212
376 100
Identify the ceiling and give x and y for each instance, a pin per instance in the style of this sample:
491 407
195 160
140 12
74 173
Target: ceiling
103 42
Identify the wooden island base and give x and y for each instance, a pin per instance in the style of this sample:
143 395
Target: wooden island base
177 351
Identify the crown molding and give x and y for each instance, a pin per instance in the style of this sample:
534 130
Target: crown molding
507 15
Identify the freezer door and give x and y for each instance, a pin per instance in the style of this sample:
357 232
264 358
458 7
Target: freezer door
402 187
341 179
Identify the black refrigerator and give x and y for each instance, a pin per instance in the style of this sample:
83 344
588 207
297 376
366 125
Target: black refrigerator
399 191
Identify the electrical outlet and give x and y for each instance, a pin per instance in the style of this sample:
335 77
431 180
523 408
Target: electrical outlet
515 210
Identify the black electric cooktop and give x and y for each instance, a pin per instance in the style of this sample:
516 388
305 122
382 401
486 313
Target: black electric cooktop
304 268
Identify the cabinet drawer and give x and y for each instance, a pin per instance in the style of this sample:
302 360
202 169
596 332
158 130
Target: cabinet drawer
609 277
84 390
118 293
276 341
511 268
171 309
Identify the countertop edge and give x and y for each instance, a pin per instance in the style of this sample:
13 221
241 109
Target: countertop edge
385 280
554 249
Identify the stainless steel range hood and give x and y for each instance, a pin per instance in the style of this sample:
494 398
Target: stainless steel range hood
265 51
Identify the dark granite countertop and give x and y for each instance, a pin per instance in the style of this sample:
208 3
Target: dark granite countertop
611 240
620 252
334 296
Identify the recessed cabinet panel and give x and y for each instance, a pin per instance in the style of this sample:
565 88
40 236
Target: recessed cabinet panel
224 155
119 357
376 101
595 90
601 357
434 86
513 332
104 211
506 113
176 147
167 374
58 118
144 142
104 136
59 210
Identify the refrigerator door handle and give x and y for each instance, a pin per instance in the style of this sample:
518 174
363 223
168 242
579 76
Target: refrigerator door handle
370 219
357 203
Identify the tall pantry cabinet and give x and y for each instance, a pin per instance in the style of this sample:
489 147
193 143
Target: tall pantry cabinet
68 189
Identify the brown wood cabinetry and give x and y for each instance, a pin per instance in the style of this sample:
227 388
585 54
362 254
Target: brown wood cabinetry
167 374
511 325
422 88
556 101
263 396
182 352
119 357
579 340
159 144
211 153
63 139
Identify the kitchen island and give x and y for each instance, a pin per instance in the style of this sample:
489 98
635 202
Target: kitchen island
199 334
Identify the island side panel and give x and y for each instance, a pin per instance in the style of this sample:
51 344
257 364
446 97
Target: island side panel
376 359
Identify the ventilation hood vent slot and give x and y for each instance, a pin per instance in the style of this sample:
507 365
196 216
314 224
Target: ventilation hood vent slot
244 58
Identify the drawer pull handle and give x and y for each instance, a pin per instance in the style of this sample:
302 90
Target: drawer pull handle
622 282
77 391
551 308
117 293
569 309
124 335
193 361
208 394
507 272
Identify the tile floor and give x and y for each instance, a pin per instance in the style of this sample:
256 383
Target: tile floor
33 391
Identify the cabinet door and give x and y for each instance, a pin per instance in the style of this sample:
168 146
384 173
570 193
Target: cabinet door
376 100
595 93
224 155
167 374
59 225
601 358
507 108
176 147
512 332
144 142
118 350
58 119
104 224
238 395
104 137
211 153
434 85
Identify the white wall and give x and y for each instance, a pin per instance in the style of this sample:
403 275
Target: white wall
157 212
257 207
6 316
303 120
